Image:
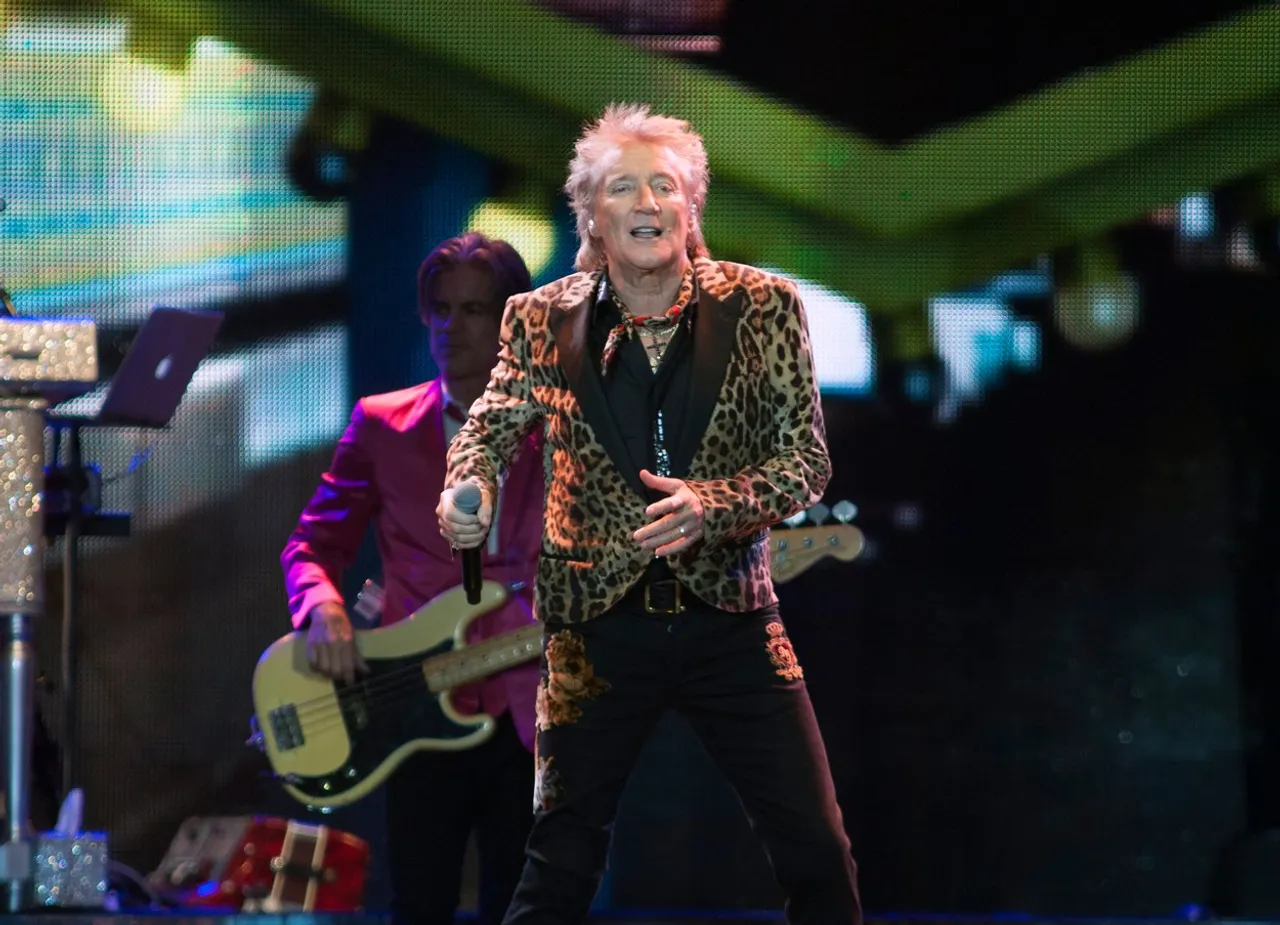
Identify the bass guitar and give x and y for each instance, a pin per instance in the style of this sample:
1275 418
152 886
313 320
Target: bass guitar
331 743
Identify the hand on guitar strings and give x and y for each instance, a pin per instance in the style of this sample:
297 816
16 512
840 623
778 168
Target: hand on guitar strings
675 522
331 644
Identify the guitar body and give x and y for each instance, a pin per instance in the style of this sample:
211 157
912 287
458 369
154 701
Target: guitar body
332 743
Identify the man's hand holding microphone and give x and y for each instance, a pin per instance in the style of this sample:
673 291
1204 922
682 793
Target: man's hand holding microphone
465 513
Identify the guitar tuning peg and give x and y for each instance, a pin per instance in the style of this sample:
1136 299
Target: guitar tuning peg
818 513
844 511
796 520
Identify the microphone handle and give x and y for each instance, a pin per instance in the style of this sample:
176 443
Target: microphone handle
471 577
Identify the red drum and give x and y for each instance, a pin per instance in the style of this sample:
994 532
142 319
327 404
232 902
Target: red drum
264 864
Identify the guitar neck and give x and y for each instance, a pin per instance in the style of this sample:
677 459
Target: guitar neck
483 659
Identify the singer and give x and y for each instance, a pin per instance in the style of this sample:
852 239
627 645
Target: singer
682 419
394 445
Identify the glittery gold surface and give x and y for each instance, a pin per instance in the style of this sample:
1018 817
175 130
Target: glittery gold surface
21 484
71 872
47 357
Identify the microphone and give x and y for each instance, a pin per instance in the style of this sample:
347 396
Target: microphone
467 497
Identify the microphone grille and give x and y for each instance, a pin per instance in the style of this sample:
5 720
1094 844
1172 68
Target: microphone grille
467 496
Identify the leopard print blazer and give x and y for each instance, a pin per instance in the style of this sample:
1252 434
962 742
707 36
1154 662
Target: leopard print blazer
756 456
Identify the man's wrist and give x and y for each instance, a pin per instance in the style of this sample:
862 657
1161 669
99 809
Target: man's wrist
324 611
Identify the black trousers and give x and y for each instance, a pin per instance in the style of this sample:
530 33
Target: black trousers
605 685
434 802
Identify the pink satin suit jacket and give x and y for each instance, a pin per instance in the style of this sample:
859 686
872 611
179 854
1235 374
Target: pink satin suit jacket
388 470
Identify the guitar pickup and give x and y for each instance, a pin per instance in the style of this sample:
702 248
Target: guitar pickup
286 728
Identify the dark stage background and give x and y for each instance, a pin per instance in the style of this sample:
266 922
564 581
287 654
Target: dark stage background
1045 687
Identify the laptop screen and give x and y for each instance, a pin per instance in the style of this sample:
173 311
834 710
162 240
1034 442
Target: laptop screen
157 368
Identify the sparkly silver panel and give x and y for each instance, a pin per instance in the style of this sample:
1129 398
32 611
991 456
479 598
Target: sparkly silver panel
71 872
49 358
21 484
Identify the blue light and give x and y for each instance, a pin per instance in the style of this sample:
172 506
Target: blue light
132 296
333 168
1196 220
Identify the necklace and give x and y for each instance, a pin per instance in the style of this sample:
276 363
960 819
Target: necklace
657 328
655 345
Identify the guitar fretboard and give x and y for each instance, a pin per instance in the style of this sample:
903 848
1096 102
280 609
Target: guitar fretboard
483 658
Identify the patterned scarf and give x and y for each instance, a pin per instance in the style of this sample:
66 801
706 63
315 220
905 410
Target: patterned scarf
630 323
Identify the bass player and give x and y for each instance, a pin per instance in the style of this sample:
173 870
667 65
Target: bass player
392 452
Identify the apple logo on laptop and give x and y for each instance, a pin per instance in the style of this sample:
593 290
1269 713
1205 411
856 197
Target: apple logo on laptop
163 367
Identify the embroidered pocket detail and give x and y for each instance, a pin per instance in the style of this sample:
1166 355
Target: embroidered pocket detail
570 679
782 654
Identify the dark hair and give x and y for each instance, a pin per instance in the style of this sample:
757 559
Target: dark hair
505 265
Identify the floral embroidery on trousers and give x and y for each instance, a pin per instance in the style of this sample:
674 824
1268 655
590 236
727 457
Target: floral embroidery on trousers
782 654
570 679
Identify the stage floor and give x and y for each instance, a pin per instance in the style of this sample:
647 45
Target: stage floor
728 917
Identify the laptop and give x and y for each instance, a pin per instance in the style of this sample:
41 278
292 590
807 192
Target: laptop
155 371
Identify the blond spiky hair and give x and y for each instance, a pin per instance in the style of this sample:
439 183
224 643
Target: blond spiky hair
599 147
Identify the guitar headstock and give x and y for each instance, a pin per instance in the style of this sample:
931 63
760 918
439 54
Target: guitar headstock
796 548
